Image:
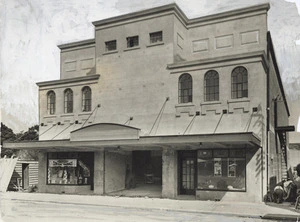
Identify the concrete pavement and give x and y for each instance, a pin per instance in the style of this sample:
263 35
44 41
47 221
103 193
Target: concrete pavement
240 209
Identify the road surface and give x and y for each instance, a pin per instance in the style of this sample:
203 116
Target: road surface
44 211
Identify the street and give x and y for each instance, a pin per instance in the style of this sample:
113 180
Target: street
26 210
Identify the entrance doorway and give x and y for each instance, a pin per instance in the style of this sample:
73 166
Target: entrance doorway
187 172
25 176
147 167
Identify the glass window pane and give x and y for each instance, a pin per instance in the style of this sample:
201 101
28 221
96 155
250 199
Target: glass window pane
226 173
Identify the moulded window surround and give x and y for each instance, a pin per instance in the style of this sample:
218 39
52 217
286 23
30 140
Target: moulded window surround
211 86
68 101
239 83
156 37
185 88
51 102
86 99
111 46
132 41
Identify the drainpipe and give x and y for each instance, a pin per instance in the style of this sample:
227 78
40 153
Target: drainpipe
268 111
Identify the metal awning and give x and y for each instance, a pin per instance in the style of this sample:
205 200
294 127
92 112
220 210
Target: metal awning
196 141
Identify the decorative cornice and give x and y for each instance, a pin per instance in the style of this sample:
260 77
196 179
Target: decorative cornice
66 81
173 8
258 54
84 43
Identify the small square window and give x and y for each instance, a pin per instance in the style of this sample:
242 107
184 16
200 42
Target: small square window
111 45
132 41
156 37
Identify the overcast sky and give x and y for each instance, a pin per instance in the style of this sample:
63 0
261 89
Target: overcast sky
31 31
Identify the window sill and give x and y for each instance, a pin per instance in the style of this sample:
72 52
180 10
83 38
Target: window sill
49 116
132 48
184 105
85 113
67 114
245 99
155 44
110 52
210 103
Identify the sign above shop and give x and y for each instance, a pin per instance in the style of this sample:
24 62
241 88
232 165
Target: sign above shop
63 163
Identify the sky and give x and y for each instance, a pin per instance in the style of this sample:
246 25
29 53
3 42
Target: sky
32 29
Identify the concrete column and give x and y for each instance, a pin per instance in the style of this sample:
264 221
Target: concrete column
42 174
169 173
99 169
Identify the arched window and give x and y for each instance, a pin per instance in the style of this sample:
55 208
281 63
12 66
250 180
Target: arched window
86 99
239 83
68 101
51 102
211 86
185 88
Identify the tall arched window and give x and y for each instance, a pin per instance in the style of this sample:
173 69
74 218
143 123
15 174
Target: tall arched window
51 102
239 83
185 88
86 99
68 101
211 86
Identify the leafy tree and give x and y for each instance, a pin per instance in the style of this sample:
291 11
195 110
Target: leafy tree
8 135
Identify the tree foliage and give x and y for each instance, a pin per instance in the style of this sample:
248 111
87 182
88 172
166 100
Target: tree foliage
8 135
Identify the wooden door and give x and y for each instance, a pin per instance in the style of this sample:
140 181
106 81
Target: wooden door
25 176
187 174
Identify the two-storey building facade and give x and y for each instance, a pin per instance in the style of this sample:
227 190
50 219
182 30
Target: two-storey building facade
195 106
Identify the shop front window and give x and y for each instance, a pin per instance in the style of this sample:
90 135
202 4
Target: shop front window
221 170
70 168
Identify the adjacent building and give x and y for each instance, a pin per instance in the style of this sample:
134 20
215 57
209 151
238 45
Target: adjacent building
194 106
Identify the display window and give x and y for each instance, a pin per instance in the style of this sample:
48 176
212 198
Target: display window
70 168
221 170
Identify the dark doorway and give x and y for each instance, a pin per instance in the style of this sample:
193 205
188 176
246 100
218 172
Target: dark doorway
147 167
187 172
25 176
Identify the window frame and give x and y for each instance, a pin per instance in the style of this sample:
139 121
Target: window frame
224 156
71 156
51 102
132 41
108 44
156 39
86 103
185 88
68 101
239 83
211 86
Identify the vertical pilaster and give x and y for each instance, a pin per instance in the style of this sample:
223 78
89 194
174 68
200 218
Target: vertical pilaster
99 170
169 165
42 173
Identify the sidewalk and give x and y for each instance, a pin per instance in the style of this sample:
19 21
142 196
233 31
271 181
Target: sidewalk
240 209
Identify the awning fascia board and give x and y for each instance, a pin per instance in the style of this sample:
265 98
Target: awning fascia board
249 139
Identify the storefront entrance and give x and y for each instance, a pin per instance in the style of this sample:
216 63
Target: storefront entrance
25 176
187 172
147 167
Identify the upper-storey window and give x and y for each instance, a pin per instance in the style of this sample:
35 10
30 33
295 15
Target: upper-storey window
185 88
156 37
111 45
51 102
239 83
86 99
132 41
211 86
68 101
